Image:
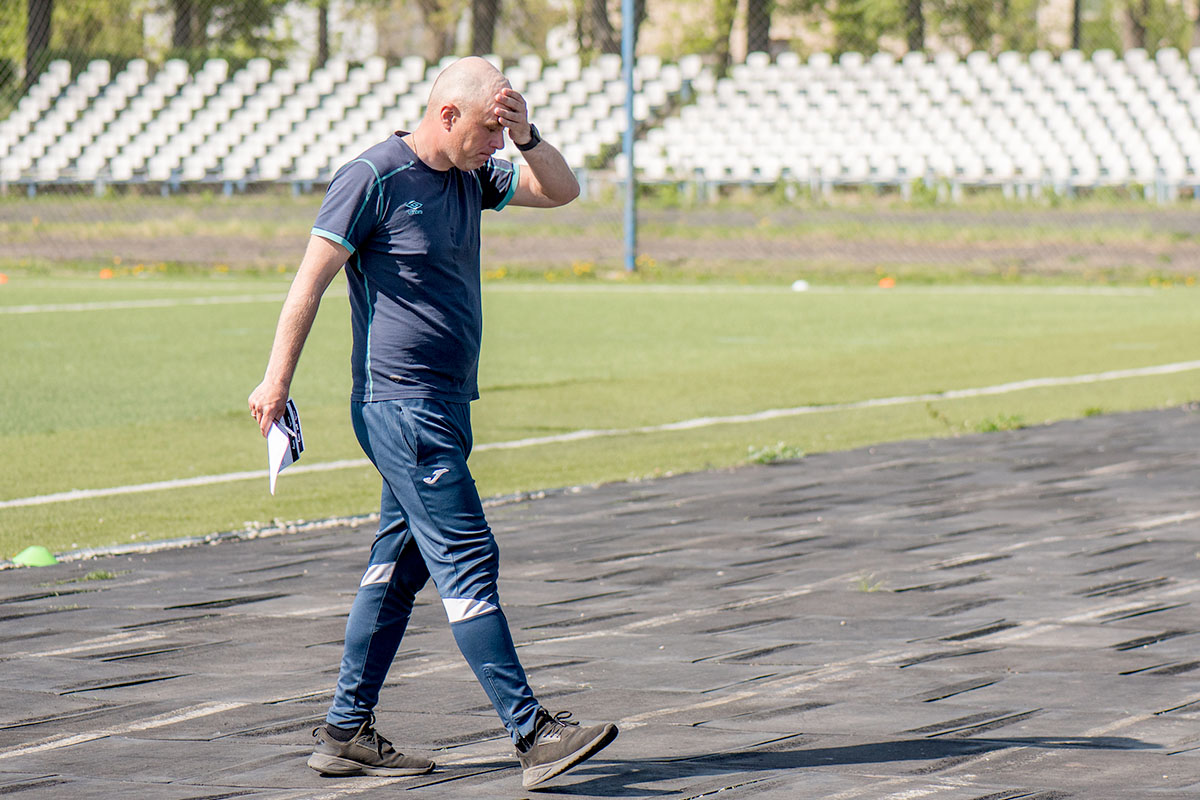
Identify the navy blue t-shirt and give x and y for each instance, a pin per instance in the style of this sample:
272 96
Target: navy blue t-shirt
413 272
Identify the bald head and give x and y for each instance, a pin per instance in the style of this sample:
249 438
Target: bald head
461 126
466 84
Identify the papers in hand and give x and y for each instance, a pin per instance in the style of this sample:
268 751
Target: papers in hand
285 442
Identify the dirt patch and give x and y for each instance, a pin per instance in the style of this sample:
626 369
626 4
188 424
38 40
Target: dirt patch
1032 256
705 241
235 251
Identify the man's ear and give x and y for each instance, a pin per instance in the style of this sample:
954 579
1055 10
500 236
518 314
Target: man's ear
449 116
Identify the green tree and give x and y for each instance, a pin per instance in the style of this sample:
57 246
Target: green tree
33 32
78 30
322 32
98 28
724 12
1155 24
859 25
988 25
525 26
1016 26
1138 13
914 25
972 21
594 32
187 32
1117 24
441 17
484 16
594 28
1098 28
229 28
12 51
758 25
37 37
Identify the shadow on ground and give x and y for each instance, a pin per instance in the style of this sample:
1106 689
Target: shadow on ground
630 778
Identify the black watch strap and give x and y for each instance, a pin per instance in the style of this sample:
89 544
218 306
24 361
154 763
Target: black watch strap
535 139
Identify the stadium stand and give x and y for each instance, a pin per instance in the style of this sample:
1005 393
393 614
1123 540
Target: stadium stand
1017 122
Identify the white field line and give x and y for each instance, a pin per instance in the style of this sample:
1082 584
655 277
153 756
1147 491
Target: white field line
534 288
176 483
164 302
636 288
684 425
118 285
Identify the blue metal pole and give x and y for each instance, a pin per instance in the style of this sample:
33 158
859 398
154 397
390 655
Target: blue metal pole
628 26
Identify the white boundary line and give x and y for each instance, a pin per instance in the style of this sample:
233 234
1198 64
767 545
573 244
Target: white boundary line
580 435
177 483
603 288
166 302
779 289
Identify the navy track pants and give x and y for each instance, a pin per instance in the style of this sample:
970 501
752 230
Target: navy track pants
431 524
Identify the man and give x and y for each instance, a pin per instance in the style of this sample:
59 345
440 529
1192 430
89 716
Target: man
403 219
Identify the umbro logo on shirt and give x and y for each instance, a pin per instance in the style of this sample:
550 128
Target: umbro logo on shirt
437 474
413 207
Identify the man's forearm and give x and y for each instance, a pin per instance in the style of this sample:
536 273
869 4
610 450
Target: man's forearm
322 260
295 322
553 178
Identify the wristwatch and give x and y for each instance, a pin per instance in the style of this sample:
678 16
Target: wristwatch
535 139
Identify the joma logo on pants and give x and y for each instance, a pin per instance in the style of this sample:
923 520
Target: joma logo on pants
437 473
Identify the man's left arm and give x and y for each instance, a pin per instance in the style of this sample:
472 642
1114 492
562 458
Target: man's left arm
548 180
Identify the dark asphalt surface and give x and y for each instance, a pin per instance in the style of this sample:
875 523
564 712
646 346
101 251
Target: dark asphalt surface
989 617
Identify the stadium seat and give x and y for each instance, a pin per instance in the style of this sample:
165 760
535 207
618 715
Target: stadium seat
1074 120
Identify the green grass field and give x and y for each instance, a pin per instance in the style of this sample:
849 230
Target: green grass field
147 382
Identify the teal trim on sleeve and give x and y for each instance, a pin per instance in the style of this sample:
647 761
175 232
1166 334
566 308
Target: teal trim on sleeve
396 170
512 187
333 237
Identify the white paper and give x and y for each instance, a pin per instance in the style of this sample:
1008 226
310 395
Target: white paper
278 448
285 442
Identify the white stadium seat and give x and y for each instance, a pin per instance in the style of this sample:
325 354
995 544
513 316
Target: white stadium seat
1073 121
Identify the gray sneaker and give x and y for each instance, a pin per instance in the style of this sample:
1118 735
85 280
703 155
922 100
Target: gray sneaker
557 744
367 753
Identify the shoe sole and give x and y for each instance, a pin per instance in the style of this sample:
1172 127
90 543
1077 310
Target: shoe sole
535 776
332 765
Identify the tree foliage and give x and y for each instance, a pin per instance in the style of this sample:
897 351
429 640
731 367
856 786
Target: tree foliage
484 16
758 25
992 26
855 25
441 17
860 25
103 27
241 29
724 13
1154 24
231 28
525 26
594 28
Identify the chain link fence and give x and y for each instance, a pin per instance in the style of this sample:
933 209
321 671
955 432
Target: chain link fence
852 140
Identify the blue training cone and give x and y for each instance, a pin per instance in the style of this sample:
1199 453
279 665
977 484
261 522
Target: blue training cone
35 556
